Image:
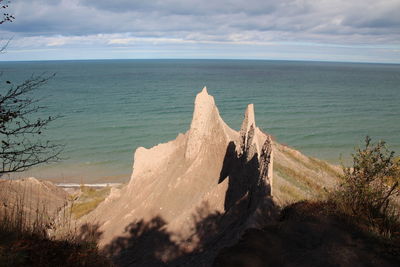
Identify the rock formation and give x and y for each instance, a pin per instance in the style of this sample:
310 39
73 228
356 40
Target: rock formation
191 196
211 171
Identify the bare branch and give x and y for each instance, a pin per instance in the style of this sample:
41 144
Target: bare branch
21 146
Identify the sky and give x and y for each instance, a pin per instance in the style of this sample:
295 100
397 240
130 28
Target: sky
322 30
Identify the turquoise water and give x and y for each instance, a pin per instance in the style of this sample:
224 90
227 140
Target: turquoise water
111 107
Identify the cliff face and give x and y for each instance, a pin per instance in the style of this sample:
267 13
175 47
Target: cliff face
196 193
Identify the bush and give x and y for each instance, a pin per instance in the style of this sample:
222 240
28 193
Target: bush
369 188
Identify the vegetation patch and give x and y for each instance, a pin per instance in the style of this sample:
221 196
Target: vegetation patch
369 190
314 164
292 193
35 250
324 166
310 233
88 200
299 179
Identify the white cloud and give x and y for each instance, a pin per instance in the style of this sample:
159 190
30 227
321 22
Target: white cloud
104 23
123 41
56 42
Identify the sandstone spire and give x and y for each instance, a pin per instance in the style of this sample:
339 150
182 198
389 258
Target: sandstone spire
248 140
205 123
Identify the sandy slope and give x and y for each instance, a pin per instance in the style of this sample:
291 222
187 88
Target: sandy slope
33 195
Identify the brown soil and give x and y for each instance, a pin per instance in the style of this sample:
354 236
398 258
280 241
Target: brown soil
306 235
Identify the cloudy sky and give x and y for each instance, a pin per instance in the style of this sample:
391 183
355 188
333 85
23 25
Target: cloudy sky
332 30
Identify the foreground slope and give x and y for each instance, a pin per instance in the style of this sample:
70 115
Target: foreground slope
191 196
31 197
310 234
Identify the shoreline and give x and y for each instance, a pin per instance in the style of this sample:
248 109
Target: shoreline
79 173
97 185
59 176
76 175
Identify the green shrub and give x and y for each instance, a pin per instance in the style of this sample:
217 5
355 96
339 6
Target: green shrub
369 188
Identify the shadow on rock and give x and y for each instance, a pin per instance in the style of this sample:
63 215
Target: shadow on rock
145 244
149 243
89 233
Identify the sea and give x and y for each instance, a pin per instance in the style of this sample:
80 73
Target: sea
108 108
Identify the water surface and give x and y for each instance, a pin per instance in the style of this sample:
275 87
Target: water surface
110 107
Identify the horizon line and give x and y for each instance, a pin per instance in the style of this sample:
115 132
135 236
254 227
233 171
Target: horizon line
216 59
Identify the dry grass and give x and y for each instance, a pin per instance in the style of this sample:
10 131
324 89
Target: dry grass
25 238
17 218
88 200
298 179
324 166
291 195
314 164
